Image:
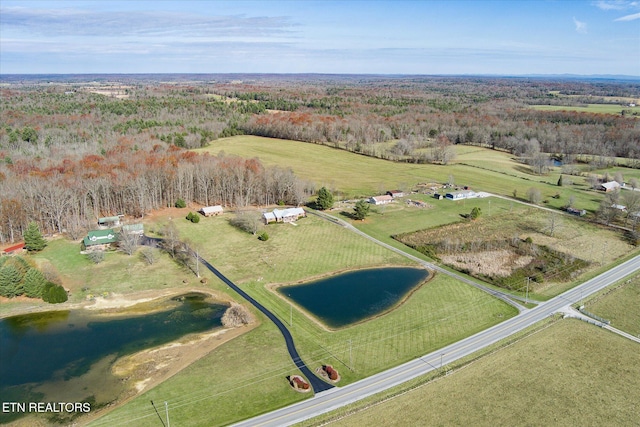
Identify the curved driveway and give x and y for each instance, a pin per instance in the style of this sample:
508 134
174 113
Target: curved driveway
338 397
317 384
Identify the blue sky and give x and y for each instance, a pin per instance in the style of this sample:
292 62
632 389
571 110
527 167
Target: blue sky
374 37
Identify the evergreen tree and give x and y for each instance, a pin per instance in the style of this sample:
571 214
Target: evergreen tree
560 181
325 199
475 213
33 283
10 281
54 294
361 210
33 240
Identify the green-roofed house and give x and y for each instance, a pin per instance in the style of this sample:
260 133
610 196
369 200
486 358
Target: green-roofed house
99 239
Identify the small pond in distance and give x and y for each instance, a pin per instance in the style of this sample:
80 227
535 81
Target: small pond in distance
352 297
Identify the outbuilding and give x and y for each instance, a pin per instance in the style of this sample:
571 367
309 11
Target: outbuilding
211 210
381 200
460 195
15 249
609 186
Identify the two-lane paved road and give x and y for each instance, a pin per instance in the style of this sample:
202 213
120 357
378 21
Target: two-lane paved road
337 397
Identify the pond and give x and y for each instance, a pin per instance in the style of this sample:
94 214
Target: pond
59 346
352 297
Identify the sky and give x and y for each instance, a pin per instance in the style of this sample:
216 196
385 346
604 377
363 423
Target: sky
508 37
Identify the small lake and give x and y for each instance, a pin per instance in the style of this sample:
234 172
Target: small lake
352 297
58 346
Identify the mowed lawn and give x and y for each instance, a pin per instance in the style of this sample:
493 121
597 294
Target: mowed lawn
353 175
247 375
316 247
571 373
620 305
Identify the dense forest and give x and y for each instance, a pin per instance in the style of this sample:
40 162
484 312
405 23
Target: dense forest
74 148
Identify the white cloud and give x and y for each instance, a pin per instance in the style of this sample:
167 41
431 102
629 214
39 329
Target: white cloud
581 27
616 4
631 17
77 22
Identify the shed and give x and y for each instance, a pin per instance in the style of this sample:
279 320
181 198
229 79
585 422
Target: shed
133 228
13 249
109 221
395 193
381 200
609 186
211 210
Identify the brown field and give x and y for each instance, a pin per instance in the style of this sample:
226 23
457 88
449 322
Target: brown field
577 239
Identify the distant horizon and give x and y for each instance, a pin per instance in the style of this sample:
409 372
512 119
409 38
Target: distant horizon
434 37
565 75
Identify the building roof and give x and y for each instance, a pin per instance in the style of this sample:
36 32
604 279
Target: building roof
283 213
269 216
108 219
133 227
100 237
462 193
611 185
13 248
211 209
383 198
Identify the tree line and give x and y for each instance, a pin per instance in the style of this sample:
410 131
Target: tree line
69 196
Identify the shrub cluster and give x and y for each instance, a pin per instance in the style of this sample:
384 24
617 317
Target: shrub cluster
193 217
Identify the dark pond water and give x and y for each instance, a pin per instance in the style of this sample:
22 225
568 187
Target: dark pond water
349 298
62 345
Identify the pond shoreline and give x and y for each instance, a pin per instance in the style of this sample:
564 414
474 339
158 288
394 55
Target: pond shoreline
108 304
145 369
273 287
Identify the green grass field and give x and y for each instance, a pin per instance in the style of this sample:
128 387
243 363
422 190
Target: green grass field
571 373
590 108
316 247
246 375
353 175
620 306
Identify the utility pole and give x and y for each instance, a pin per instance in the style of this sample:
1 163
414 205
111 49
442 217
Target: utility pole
526 298
350 360
166 408
290 315
197 263
441 354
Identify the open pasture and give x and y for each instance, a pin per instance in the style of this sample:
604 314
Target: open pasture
352 175
589 108
554 377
